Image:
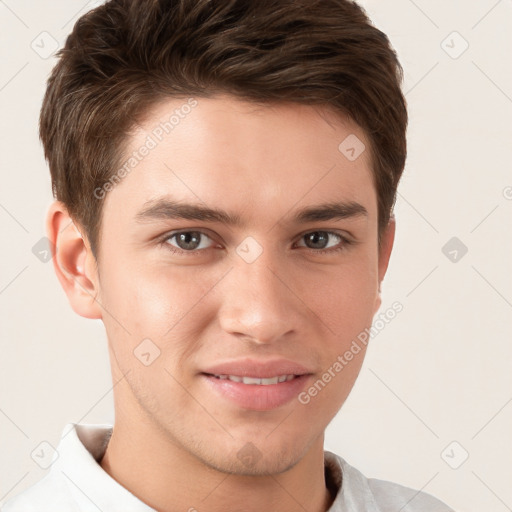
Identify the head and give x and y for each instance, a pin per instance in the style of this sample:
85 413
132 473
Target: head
227 122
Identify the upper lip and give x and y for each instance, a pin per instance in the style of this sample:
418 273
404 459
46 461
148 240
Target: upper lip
258 369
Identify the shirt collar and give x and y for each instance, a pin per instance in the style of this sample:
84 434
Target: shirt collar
79 452
350 485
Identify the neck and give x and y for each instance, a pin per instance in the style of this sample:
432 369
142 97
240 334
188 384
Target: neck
169 479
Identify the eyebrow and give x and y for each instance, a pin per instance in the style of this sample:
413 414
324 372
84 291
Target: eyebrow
167 209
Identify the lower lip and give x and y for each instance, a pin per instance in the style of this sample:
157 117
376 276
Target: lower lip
256 396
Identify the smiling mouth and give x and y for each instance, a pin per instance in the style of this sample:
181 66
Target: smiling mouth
257 389
255 381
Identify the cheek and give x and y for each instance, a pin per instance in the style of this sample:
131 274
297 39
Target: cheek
344 304
163 304
343 299
148 299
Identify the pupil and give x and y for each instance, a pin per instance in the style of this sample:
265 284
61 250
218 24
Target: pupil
189 240
317 240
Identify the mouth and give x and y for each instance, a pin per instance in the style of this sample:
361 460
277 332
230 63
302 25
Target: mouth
256 386
255 381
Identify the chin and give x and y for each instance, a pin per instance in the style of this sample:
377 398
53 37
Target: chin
251 459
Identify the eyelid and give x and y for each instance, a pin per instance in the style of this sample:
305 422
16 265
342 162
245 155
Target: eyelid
171 234
345 239
341 233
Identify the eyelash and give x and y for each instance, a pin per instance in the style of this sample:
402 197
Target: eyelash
344 241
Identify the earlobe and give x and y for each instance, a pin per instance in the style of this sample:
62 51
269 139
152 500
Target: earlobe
385 248
73 261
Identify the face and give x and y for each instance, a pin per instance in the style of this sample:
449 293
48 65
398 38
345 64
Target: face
239 259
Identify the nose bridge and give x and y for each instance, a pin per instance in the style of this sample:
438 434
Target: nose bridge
256 303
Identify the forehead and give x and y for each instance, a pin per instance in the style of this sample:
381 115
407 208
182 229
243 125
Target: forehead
254 158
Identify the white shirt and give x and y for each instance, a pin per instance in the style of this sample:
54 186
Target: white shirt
77 483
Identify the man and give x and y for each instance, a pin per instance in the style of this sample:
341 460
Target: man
225 173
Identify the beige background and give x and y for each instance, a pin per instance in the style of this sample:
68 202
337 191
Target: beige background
439 372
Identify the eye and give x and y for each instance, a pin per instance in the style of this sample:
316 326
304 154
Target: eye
321 241
188 241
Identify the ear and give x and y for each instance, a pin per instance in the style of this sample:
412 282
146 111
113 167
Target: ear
386 245
73 261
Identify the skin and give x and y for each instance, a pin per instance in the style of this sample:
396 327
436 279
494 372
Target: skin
175 442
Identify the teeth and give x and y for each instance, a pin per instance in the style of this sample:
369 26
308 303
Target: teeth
255 381
249 380
273 380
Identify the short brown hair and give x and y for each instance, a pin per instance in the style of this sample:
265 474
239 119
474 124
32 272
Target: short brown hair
126 55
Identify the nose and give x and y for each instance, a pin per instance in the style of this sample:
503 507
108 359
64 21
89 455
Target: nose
258 301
